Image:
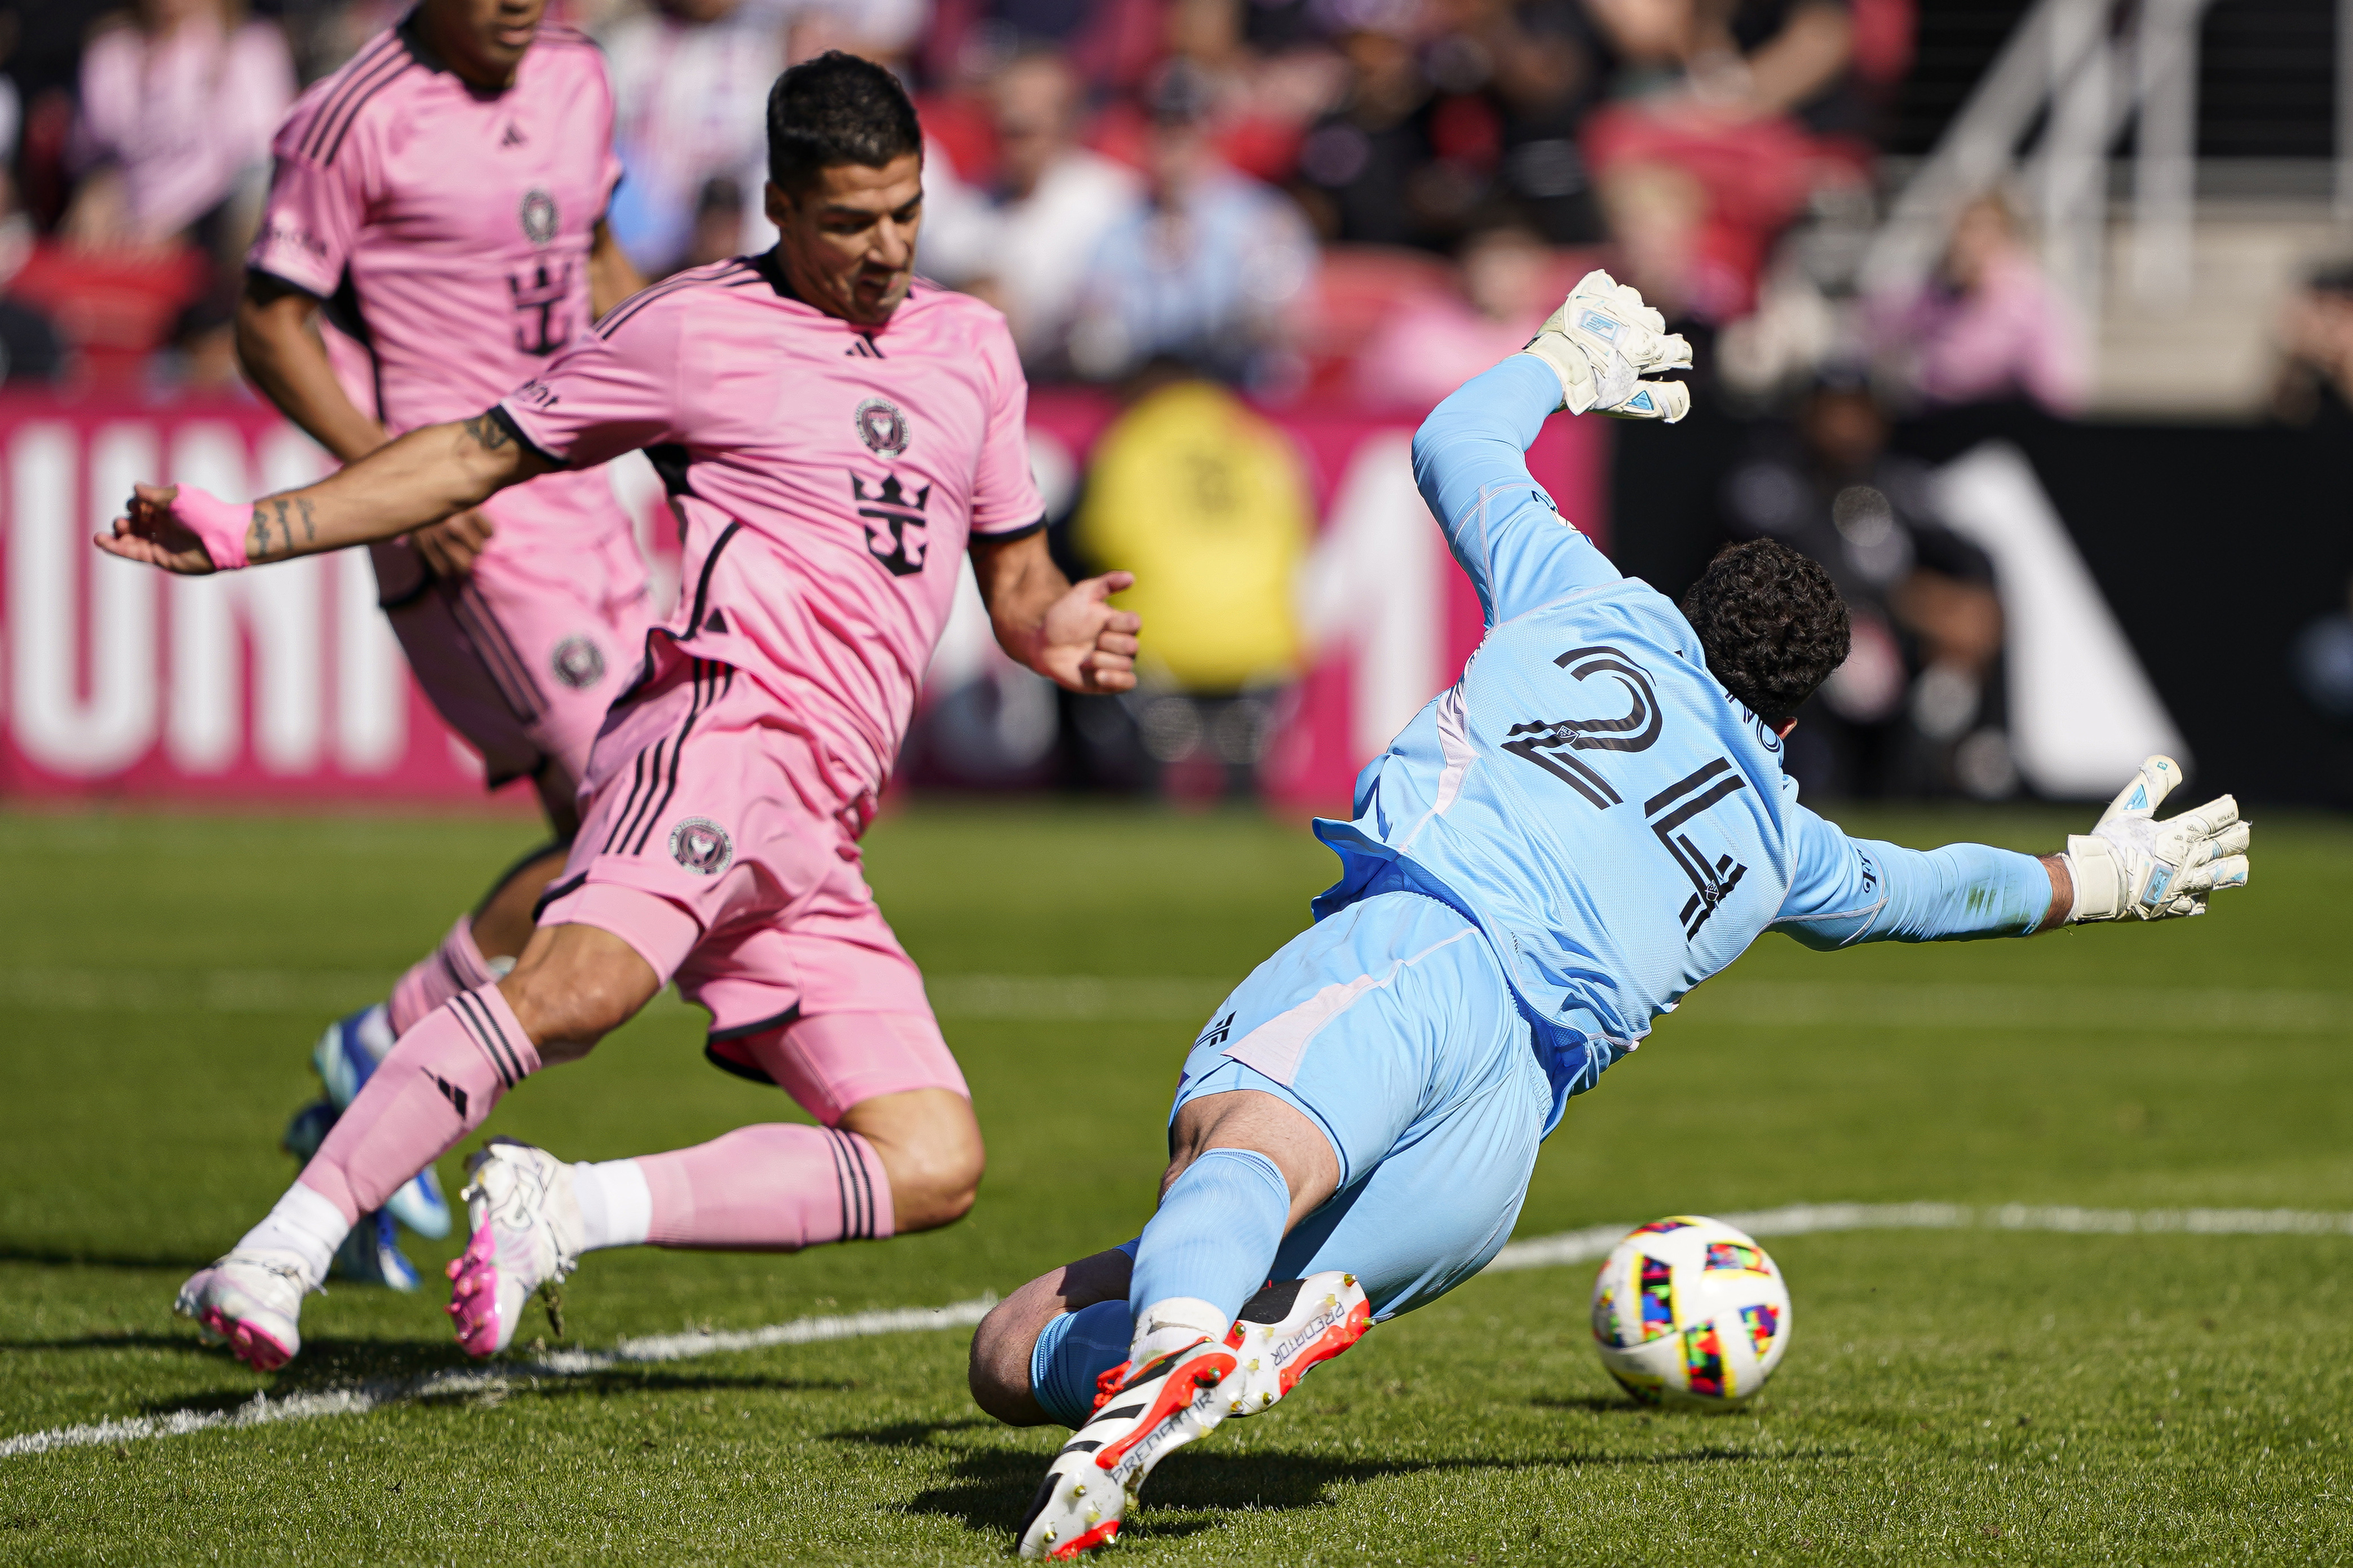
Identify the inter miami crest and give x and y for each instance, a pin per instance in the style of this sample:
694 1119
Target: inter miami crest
896 534
881 427
701 846
538 216
579 663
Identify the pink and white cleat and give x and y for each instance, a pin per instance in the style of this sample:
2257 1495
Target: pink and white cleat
251 1302
526 1234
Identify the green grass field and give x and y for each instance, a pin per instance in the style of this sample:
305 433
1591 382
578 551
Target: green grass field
1975 1395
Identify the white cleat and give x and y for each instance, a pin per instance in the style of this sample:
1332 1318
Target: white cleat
251 1302
1287 1329
1142 1417
526 1234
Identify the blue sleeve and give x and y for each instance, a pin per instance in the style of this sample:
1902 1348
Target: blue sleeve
1847 890
1469 458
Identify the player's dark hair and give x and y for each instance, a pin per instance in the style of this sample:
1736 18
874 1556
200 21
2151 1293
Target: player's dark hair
836 108
1770 623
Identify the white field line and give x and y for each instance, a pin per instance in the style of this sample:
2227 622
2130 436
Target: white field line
1540 1252
361 1398
1809 1219
1082 998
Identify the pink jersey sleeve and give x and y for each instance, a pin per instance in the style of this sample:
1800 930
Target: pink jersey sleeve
1005 497
614 390
315 209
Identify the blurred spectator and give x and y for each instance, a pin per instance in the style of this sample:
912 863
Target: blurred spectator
1205 268
2315 334
1715 136
1988 325
1027 248
1432 343
884 31
690 81
173 137
1448 109
1207 504
1915 708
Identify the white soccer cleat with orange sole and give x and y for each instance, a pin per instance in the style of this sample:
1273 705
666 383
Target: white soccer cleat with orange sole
1144 1416
1289 1328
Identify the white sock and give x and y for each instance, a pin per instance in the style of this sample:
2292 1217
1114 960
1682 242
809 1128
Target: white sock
375 1032
304 1223
616 1207
1173 1324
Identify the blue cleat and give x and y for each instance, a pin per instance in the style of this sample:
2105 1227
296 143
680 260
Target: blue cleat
370 1254
346 1056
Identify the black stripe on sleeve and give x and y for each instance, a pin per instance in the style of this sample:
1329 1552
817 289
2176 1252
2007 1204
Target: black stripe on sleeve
497 413
1009 536
371 58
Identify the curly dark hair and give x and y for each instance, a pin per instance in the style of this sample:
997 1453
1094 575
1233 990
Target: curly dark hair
1771 624
836 108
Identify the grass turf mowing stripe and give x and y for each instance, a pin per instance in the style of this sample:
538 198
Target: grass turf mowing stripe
1541 1252
1040 998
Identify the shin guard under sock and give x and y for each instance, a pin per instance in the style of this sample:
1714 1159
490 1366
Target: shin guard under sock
456 965
776 1187
1215 1236
438 1084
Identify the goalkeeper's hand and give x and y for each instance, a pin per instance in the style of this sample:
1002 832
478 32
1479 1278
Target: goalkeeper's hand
1602 342
2132 866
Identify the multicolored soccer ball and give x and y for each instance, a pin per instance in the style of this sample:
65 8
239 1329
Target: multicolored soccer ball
1689 1311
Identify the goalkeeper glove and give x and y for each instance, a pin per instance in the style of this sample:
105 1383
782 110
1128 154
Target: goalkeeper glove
1602 342
2131 865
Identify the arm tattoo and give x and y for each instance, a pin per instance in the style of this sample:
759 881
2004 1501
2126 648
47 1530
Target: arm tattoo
488 432
310 521
257 546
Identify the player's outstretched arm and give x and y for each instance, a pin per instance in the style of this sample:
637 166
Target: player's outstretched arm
422 478
1066 632
1848 891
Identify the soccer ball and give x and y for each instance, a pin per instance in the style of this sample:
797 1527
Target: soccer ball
1690 1311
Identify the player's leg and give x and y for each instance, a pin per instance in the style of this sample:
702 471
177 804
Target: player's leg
523 664
573 985
1369 1033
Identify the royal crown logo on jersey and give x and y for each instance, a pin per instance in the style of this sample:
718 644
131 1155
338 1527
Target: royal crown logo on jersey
896 533
539 217
881 427
701 846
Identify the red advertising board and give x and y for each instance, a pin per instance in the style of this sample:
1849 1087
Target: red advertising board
284 684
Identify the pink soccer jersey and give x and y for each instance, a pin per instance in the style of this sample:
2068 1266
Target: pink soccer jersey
828 475
449 230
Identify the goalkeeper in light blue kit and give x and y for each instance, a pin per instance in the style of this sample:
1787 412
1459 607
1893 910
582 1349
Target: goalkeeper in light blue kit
1592 820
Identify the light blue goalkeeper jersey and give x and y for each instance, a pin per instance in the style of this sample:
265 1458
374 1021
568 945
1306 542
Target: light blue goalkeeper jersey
1615 822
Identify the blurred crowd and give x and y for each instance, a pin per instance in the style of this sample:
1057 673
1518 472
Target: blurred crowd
1212 206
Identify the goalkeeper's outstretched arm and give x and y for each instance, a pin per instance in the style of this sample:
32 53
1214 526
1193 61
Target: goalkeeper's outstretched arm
2130 866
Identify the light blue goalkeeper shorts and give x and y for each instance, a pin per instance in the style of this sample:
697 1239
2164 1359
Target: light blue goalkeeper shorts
1391 1026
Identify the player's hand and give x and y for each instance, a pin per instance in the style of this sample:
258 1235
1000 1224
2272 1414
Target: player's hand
180 528
1602 342
452 545
2132 866
1084 644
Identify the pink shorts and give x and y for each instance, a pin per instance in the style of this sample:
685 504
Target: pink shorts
701 795
522 656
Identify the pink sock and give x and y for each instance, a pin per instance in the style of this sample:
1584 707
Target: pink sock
776 1187
438 1084
455 965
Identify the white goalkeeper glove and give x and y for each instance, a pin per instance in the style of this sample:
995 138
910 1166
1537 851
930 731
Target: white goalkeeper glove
1602 342
2132 866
